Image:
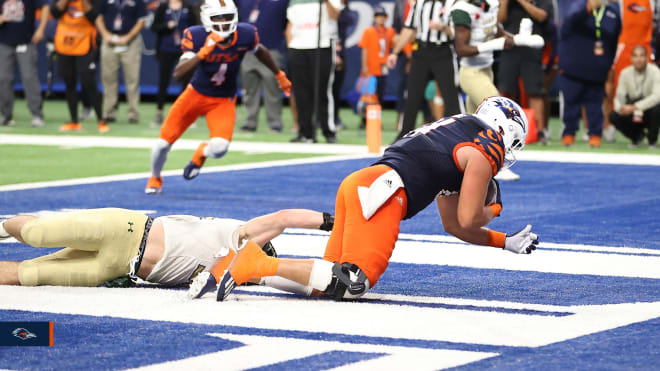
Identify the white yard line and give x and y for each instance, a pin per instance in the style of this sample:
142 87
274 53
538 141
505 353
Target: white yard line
317 148
210 169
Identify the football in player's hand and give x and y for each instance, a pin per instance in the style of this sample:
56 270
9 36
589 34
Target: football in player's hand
492 195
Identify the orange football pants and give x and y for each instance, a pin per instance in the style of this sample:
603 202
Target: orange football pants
365 243
220 115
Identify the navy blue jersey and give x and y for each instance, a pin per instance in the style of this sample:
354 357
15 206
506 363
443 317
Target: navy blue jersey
216 75
426 158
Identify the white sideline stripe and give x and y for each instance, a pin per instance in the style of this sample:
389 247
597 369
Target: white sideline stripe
188 144
318 148
462 325
454 240
210 169
485 257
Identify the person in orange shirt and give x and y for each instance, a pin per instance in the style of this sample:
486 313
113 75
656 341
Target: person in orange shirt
376 44
636 29
75 44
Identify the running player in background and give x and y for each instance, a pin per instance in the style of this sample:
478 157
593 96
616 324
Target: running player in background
451 161
212 53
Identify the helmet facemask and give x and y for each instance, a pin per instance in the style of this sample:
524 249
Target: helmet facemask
220 17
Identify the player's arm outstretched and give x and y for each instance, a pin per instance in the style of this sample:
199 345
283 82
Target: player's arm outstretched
266 227
264 56
191 58
466 214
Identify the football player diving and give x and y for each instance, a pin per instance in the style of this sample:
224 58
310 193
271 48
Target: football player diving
451 161
106 244
212 53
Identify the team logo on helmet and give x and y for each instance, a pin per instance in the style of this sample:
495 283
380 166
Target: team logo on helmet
23 334
511 112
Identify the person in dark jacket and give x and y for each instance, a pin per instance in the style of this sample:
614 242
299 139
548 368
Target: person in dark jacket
587 45
170 19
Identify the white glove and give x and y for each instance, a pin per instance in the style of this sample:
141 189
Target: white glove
532 41
521 242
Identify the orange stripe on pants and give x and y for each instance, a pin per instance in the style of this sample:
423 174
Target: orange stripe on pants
220 115
365 243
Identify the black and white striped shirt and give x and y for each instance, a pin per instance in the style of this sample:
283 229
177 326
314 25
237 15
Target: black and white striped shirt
421 14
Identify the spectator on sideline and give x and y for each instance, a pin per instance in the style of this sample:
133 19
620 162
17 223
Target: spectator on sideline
170 19
434 58
270 19
303 43
636 29
18 42
522 61
120 23
376 43
346 20
637 100
587 45
75 45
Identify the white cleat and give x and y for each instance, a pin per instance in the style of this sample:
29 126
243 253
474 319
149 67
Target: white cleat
506 174
203 283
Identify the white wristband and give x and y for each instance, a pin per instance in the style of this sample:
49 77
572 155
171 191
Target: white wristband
532 41
491 45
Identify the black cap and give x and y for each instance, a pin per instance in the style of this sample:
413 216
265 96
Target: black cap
379 10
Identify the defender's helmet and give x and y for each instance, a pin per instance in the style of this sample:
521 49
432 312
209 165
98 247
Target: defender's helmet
508 119
219 16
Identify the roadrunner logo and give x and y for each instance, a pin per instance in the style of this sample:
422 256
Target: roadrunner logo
511 113
23 334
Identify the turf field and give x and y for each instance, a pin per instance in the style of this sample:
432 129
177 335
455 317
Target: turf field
588 298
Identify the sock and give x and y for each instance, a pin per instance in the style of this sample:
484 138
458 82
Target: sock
199 156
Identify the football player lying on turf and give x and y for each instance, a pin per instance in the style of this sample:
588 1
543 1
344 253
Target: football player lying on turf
451 161
104 244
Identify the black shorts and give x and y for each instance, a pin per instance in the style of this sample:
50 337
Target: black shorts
521 62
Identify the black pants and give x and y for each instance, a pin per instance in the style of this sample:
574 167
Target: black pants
166 63
72 66
429 62
301 70
336 91
635 130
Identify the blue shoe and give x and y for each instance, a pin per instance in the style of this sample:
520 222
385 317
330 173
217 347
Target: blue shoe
227 285
203 283
191 171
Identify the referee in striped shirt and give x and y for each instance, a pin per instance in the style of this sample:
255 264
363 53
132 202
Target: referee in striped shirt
428 24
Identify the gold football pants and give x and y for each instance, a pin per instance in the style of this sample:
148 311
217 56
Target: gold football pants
99 245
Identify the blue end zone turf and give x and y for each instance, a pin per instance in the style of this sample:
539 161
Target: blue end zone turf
611 205
604 205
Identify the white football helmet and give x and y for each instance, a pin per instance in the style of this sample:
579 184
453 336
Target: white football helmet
508 119
219 16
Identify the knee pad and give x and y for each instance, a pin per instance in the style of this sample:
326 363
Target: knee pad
33 233
217 147
28 273
161 146
338 281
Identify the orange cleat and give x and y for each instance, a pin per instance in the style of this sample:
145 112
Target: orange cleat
71 126
252 262
154 186
103 128
594 141
568 140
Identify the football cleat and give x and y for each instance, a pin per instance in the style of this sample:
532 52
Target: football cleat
203 283
505 174
594 141
3 233
191 171
227 285
568 140
154 186
71 126
103 127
